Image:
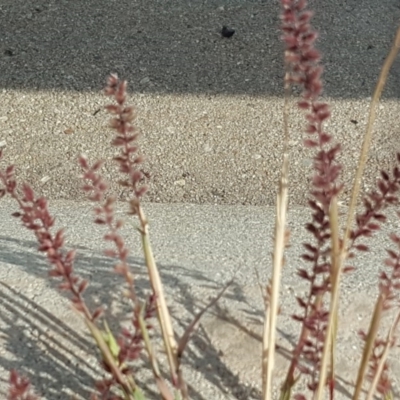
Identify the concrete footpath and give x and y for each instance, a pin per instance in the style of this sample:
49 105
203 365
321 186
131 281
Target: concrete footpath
198 249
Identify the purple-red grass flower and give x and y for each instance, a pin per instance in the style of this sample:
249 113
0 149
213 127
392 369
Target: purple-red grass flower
19 387
302 61
35 216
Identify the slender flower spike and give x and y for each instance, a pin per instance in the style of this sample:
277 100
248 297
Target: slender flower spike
126 136
302 61
129 344
35 216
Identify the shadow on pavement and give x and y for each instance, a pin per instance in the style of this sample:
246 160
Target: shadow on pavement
42 341
54 355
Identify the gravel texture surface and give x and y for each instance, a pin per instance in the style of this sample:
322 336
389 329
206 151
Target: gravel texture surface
198 249
210 108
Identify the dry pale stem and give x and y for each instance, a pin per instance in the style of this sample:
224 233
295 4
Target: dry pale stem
369 345
330 338
356 188
279 248
378 372
269 336
163 388
368 137
162 309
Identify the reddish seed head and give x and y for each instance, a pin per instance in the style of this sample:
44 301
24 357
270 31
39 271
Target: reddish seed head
19 387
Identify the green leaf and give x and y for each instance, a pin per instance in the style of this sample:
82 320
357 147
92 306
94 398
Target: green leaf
138 394
110 340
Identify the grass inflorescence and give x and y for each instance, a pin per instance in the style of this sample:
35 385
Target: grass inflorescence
328 255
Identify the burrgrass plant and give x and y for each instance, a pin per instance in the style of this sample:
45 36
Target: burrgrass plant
328 255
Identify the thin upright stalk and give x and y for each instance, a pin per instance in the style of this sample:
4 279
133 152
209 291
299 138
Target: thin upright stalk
329 344
162 309
369 345
357 183
269 336
368 135
383 358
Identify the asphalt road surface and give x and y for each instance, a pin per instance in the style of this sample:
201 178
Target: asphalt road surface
209 107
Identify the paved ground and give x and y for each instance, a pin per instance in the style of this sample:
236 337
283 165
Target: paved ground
198 249
210 108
